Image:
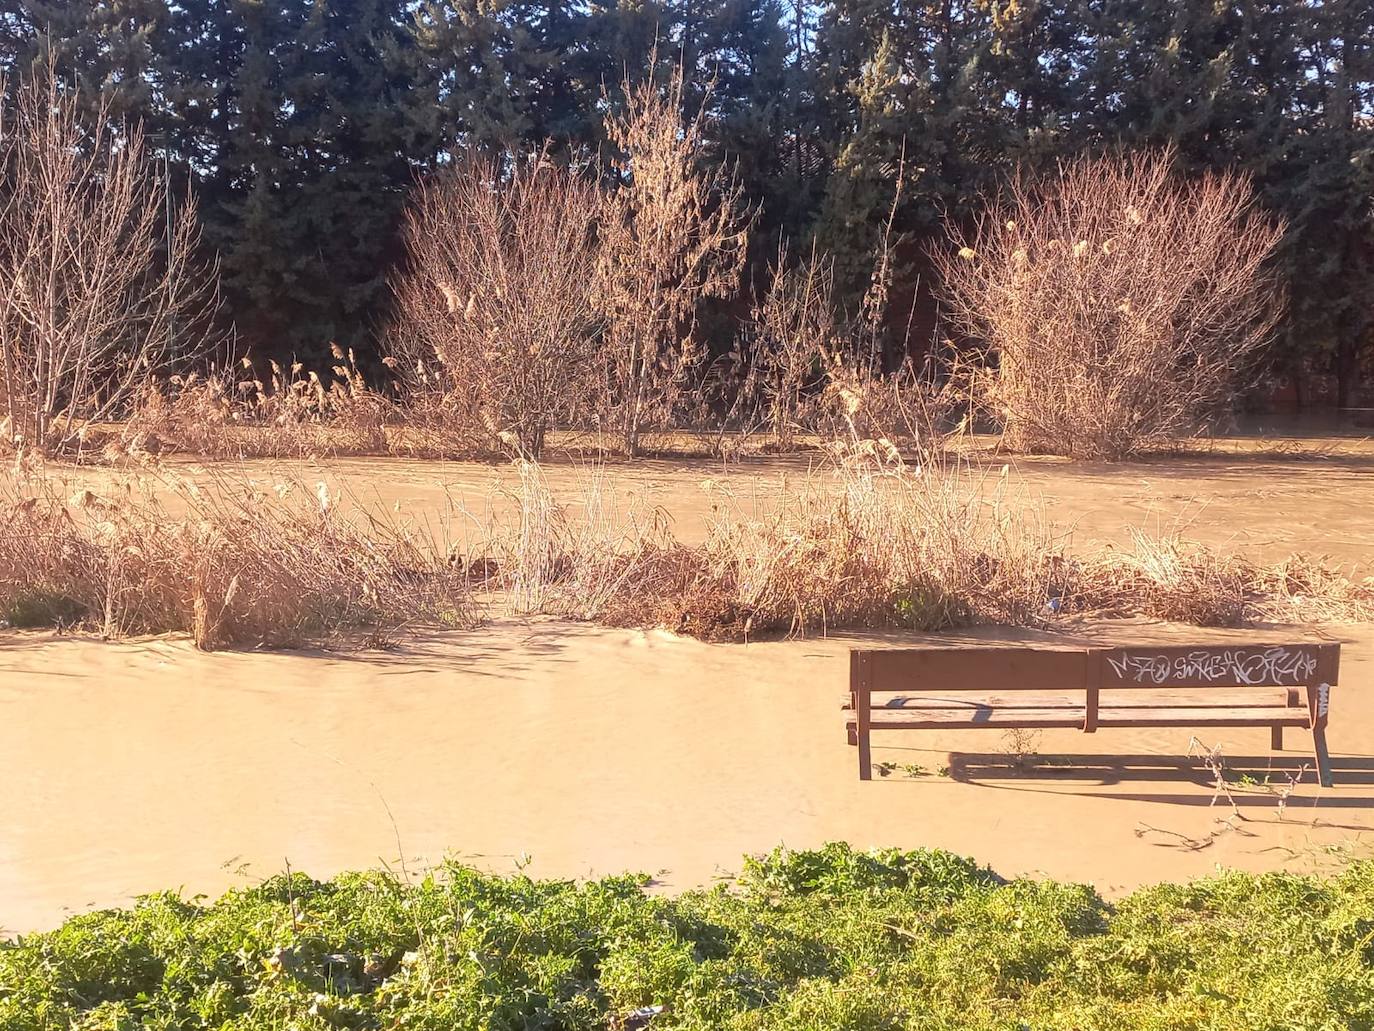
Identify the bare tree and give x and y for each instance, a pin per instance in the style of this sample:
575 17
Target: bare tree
495 306
97 291
673 234
1122 303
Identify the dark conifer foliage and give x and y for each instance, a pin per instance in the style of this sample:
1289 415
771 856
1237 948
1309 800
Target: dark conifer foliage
300 124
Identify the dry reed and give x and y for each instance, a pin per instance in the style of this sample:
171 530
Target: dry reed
877 542
873 542
227 562
234 412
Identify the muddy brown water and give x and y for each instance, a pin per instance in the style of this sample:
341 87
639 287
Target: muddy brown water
143 765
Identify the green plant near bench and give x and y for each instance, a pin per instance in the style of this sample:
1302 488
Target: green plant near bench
826 939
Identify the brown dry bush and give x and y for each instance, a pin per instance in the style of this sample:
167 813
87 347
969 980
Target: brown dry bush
235 564
495 306
1121 303
805 369
671 235
94 295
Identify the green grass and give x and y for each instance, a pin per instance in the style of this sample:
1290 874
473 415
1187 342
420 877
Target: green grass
826 939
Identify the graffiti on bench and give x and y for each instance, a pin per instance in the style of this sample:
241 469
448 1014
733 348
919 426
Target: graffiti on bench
1280 667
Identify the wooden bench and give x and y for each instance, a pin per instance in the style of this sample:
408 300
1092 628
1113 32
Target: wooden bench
1242 685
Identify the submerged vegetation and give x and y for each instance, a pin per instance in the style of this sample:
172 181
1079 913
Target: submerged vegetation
806 940
871 541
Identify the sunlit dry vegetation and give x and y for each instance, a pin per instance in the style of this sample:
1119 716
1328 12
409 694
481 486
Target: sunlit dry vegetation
872 541
1122 306
98 292
1105 310
228 563
496 315
1110 308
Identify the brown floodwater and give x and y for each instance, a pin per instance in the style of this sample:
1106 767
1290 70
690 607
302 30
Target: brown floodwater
576 750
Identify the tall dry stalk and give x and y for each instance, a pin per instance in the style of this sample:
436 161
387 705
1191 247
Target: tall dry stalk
674 232
1121 303
236 411
228 561
96 291
793 329
496 300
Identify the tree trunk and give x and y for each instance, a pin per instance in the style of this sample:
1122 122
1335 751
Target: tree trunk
1347 368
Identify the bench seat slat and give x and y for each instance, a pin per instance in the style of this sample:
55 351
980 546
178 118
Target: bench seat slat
987 716
915 719
1234 716
1163 699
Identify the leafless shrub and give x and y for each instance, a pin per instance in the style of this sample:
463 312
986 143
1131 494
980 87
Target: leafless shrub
860 404
671 235
234 565
429 424
496 300
1122 304
94 297
1022 745
862 401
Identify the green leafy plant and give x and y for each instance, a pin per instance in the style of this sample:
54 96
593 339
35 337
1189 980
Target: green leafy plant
830 938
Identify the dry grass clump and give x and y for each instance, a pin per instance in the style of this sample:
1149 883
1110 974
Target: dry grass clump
1172 579
885 544
876 542
228 563
235 413
873 542
575 559
791 331
801 367
1121 304
880 543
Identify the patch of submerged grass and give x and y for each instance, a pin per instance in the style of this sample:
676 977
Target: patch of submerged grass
814 940
881 543
874 542
235 565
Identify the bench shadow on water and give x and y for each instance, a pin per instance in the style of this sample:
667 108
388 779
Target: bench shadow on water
1137 774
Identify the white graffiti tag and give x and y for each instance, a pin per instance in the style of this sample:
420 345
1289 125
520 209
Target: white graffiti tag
1278 667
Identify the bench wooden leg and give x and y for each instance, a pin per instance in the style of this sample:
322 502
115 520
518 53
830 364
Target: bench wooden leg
1323 759
861 695
1276 739
853 736
1317 700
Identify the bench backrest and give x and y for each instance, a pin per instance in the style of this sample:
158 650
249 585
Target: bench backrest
1059 669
